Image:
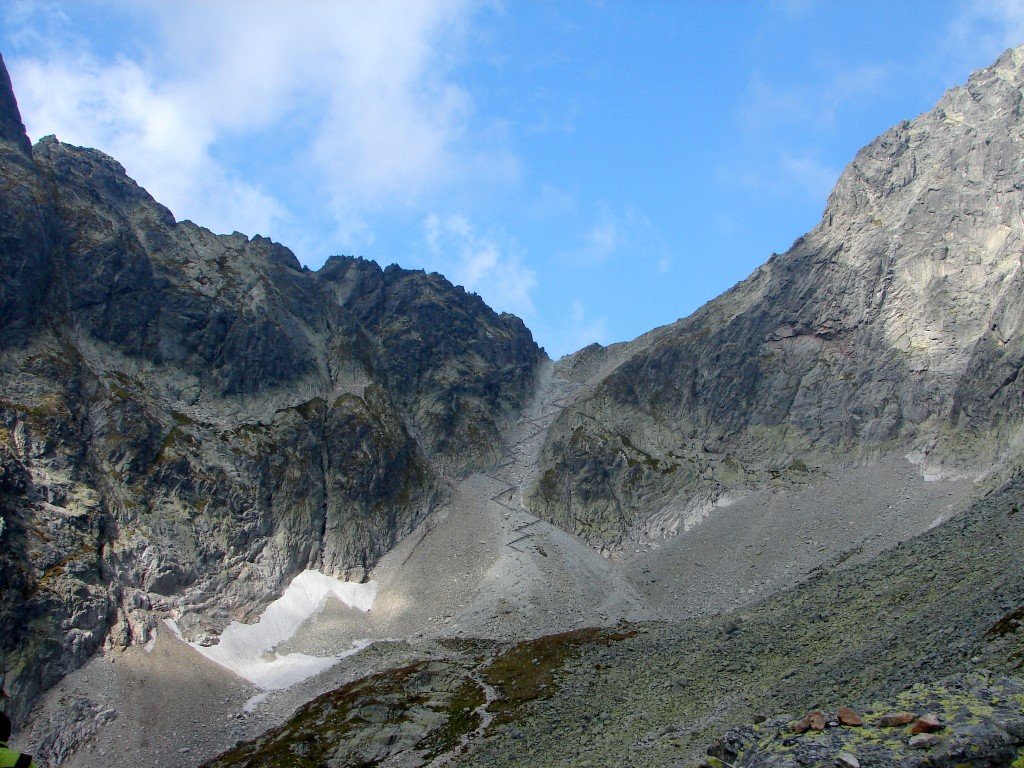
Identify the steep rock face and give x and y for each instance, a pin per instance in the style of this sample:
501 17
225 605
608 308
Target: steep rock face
26 230
894 325
435 344
189 419
11 128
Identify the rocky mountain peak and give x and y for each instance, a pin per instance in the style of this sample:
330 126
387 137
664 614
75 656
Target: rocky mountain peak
1009 66
191 419
894 326
12 129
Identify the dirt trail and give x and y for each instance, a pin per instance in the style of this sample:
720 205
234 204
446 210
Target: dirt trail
467 740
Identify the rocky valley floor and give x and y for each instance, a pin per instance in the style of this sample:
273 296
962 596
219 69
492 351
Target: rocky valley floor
657 693
712 635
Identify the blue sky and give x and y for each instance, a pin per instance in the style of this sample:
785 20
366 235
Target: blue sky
598 168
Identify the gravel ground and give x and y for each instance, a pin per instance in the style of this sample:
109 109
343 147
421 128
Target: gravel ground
767 542
175 708
655 694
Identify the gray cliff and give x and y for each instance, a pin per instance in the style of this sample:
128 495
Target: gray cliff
187 419
895 325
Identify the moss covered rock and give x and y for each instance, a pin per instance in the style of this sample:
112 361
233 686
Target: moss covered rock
980 724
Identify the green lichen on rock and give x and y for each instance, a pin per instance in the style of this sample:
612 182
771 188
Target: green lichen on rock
981 724
424 708
527 672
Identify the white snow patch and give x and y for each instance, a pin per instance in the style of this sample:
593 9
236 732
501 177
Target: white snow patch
247 649
727 500
255 701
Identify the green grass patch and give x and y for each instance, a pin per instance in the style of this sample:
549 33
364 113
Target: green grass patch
526 672
462 718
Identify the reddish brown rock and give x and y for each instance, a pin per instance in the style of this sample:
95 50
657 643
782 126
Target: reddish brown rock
927 724
896 719
812 721
848 717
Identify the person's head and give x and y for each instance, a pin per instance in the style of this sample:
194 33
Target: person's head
5 727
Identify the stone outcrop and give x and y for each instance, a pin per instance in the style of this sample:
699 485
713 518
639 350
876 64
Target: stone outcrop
189 419
982 725
895 325
414 715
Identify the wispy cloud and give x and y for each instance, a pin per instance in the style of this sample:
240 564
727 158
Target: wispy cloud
480 264
582 329
987 27
809 174
768 107
794 9
364 90
783 125
602 239
572 328
552 202
609 235
787 173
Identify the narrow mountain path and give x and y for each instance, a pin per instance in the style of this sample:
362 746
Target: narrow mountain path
543 579
468 740
518 471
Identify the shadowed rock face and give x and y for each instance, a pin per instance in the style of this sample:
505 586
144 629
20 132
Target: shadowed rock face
189 419
11 128
894 325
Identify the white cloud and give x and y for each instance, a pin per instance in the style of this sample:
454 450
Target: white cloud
119 109
987 27
364 91
480 264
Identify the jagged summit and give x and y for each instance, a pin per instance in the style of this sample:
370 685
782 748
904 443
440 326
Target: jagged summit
188 420
12 129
